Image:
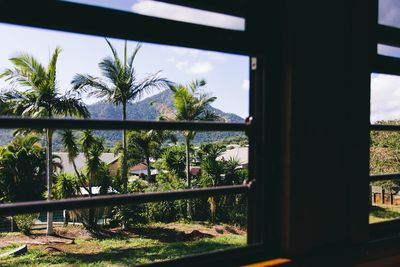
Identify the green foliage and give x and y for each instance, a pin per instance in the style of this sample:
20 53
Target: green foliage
385 154
65 186
173 161
24 222
166 211
22 170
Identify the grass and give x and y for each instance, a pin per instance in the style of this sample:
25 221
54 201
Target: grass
9 247
383 213
148 246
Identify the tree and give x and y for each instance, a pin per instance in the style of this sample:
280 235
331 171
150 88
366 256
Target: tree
95 172
190 105
41 97
173 160
119 86
22 170
146 144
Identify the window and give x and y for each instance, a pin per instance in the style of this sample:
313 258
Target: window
56 15
384 172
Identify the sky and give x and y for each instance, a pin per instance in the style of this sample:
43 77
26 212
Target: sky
170 11
385 89
227 75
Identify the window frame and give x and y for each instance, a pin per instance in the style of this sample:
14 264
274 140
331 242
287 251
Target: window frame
262 231
386 35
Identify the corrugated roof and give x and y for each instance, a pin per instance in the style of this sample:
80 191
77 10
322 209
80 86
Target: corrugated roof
239 153
108 158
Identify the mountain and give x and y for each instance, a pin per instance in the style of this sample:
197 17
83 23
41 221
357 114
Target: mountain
142 110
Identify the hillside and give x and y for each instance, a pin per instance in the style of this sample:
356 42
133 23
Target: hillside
142 110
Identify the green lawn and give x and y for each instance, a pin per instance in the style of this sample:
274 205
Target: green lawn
383 213
122 251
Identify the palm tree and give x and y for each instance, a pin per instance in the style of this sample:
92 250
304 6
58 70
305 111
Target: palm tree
148 144
41 98
92 148
120 86
190 105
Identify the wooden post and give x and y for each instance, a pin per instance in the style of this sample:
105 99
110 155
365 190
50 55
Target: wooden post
383 195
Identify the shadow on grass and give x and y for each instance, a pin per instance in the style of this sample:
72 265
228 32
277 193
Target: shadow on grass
384 213
166 235
129 256
161 234
122 256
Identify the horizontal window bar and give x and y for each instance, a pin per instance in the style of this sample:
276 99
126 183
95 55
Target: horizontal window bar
388 35
384 229
112 200
386 65
35 123
235 8
380 127
383 177
72 17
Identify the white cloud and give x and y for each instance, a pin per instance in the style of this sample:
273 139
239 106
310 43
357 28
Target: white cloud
191 15
385 97
389 12
246 84
201 67
180 65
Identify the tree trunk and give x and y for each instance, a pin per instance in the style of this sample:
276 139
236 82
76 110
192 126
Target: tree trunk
188 177
91 218
149 178
124 164
49 176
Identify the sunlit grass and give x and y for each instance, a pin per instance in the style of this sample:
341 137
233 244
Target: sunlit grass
122 251
383 213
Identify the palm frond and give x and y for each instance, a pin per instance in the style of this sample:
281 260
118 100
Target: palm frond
147 85
69 107
51 69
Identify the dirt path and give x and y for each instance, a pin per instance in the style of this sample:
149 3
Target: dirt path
173 232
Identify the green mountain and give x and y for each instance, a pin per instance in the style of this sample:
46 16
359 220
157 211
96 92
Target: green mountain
142 110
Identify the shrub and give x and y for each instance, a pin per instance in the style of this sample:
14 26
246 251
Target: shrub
24 222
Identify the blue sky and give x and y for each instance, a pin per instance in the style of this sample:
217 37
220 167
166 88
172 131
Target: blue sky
227 75
169 11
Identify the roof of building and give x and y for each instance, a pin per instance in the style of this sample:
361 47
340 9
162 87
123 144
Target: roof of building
80 160
139 167
239 153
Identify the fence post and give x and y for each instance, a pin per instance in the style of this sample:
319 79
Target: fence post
383 195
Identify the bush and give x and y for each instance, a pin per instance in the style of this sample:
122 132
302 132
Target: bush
25 222
166 211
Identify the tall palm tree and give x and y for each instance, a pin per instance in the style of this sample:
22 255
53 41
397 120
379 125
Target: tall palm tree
148 144
40 98
190 105
119 86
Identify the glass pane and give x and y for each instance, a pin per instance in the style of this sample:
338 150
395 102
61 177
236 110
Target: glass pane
385 96
387 50
83 72
385 201
389 13
384 152
172 12
90 164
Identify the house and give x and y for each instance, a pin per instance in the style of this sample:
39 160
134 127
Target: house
109 158
141 170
